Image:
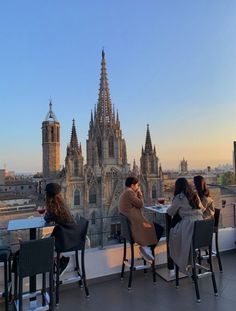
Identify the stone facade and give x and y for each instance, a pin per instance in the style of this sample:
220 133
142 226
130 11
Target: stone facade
150 172
51 144
93 189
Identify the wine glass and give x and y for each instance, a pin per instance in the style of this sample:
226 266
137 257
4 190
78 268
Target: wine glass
41 210
161 200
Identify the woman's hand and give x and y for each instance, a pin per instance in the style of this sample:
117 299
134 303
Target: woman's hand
139 193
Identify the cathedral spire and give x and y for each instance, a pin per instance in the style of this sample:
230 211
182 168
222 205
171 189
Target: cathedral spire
148 143
104 106
73 139
91 118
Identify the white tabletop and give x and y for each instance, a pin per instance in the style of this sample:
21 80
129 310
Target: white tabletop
159 208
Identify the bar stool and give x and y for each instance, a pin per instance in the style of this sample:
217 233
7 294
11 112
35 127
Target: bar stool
127 237
5 257
217 251
216 229
35 257
202 238
71 237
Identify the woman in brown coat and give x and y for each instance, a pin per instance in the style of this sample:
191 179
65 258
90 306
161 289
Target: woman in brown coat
131 205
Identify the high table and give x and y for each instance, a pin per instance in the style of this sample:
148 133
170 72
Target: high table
167 273
31 224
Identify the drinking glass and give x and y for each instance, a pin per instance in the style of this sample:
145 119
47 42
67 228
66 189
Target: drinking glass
41 210
161 200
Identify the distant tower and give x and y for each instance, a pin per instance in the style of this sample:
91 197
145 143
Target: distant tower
234 158
51 144
149 159
105 145
74 159
150 172
183 166
135 170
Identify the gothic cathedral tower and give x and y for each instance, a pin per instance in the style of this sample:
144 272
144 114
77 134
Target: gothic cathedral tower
150 172
74 159
105 145
51 145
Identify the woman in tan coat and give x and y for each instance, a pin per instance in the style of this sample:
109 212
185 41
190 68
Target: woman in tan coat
131 205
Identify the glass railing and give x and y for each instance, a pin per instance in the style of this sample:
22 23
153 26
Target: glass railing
103 231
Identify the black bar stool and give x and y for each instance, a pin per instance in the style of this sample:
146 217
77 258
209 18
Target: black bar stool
35 257
71 237
216 229
5 257
202 238
127 237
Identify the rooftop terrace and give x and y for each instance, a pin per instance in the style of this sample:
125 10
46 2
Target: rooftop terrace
112 294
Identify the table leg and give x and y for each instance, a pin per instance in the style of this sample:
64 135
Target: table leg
170 263
32 281
168 273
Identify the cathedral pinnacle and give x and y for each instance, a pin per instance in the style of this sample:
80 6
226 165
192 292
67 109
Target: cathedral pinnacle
74 140
148 143
104 106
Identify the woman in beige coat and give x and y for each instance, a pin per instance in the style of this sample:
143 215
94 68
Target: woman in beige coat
204 195
189 207
131 205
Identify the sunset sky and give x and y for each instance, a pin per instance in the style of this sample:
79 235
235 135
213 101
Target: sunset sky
171 64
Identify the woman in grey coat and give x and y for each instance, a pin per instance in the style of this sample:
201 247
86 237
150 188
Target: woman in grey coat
189 207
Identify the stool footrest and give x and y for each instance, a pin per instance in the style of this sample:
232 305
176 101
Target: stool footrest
137 267
204 274
33 304
71 280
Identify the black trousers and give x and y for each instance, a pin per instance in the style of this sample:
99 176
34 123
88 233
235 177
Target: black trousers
159 230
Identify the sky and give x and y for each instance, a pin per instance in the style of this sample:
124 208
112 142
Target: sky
171 64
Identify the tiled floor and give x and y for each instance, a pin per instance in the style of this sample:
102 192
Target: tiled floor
113 294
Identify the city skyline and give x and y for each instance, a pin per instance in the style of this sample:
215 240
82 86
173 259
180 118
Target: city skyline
170 64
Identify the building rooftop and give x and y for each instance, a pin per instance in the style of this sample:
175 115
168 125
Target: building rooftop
12 196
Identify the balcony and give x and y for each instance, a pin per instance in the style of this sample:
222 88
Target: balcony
103 264
109 293
112 294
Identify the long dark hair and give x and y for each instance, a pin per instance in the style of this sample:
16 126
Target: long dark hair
182 186
56 207
201 186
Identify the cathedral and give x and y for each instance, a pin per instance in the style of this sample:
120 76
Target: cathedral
92 189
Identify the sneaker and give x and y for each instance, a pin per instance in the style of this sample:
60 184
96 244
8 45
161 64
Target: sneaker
64 261
146 253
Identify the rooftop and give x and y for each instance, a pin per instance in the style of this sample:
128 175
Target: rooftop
112 294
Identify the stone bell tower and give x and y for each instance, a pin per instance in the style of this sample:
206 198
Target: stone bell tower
51 144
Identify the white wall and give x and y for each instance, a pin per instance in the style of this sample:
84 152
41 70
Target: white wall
107 261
